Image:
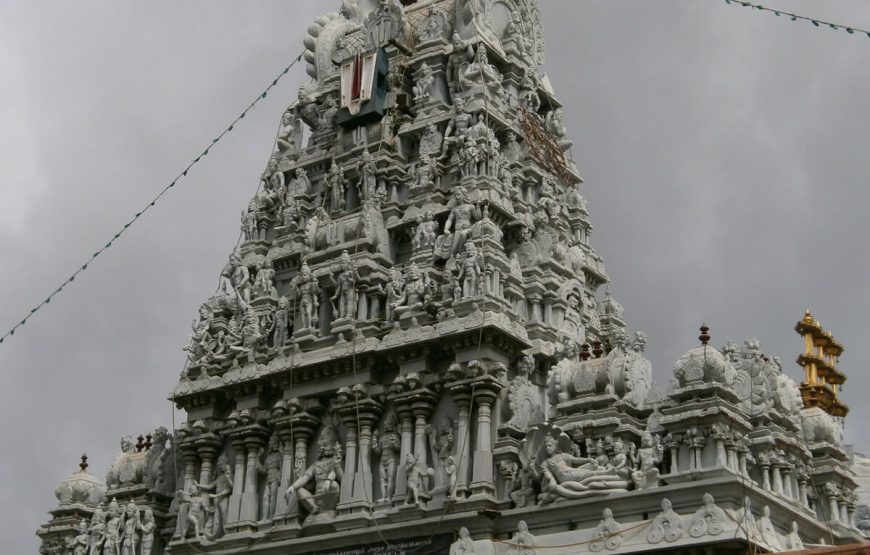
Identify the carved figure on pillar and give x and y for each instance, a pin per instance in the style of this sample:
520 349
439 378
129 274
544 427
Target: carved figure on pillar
112 543
196 511
394 290
441 442
147 528
97 531
271 467
344 301
335 188
326 475
281 324
387 447
425 233
130 537
307 290
79 544
471 272
457 127
647 459
222 489
368 176
424 80
418 480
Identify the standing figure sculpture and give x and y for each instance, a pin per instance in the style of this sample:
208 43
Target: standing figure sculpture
335 187
457 127
147 528
220 497
344 301
130 538
196 511
79 544
387 447
418 480
425 233
307 290
97 531
281 324
394 291
441 443
471 272
239 277
272 470
368 176
112 543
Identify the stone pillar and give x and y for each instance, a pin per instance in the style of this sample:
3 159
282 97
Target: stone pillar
483 480
777 478
731 455
346 495
255 440
207 447
421 447
190 458
786 482
535 301
235 504
833 506
462 398
721 457
363 480
698 448
286 435
406 429
844 511
765 473
803 498
673 444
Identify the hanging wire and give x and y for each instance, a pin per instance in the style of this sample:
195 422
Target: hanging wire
150 204
795 17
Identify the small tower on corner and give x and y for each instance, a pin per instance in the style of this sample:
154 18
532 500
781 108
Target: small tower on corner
822 381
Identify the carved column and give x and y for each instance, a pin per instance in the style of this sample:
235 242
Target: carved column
406 429
235 504
486 391
776 470
190 458
833 506
844 511
803 497
346 495
764 463
461 393
719 439
207 447
786 481
673 444
731 454
255 439
294 431
359 416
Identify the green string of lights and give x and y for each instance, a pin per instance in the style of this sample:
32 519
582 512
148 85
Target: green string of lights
795 17
151 204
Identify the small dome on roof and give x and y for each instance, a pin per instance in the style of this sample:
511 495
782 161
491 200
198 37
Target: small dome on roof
81 488
703 364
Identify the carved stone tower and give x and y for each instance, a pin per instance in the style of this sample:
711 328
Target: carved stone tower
409 351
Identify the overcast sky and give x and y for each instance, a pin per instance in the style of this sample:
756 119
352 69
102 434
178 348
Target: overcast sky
725 153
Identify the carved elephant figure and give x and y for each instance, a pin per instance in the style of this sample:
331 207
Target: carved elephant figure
820 426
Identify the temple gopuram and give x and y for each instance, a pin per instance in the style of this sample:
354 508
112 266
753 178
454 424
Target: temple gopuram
414 350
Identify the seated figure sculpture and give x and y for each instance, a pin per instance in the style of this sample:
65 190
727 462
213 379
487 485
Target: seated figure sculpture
326 474
566 476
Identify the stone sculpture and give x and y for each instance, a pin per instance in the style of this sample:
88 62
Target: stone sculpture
335 188
523 542
464 545
418 480
666 526
425 79
768 531
647 462
387 446
471 272
606 533
344 301
441 442
307 292
326 475
708 520
457 228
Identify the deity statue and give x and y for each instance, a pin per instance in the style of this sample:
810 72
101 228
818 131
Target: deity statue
300 185
524 492
457 228
196 508
418 480
368 176
387 447
97 531
570 477
471 272
264 283
220 496
461 56
326 474
450 288
249 222
422 88
306 288
441 442
201 341
481 72
511 149
431 141
415 292
464 545
457 126
425 233
78 545
112 542
424 172
327 117
529 97
281 324
147 528
271 467
344 301
523 542
130 538
394 291
290 136
239 277
335 188
554 123
647 459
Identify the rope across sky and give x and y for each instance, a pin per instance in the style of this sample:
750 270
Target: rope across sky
151 204
795 17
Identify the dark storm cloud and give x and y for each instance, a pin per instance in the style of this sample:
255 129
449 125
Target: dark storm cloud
724 153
